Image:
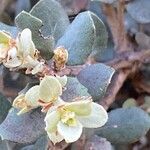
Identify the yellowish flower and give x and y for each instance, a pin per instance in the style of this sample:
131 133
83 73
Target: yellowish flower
20 53
29 100
67 120
46 94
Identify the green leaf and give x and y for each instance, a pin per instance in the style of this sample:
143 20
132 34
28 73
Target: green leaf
40 144
96 79
105 1
129 103
43 44
10 29
139 10
125 125
87 33
5 105
23 129
28 86
74 89
55 20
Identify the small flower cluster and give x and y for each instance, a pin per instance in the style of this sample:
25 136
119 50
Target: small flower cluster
20 53
64 120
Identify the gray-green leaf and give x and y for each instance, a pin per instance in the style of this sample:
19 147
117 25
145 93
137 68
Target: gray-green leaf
10 29
54 18
96 79
105 1
125 125
5 105
86 34
44 44
74 89
140 10
25 128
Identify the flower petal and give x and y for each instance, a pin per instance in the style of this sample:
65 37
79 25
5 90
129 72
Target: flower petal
4 37
38 68
50 89
81 108
32 96
70 133
62 80
19 101
97 118
15 62
3 51
12 59
52 120
55 137
25 44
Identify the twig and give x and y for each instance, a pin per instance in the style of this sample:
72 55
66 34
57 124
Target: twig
60 146
115 19
3 5
126 59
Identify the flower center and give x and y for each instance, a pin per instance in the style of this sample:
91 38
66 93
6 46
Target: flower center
68 118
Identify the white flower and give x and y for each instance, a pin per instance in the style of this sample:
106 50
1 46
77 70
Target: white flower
67 120
20 53
29 100
5 42
46 94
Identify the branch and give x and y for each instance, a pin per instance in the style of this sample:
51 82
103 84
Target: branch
3 5
127 59
60 146
115 19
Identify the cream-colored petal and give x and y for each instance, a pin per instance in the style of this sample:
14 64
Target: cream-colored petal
25 41
3 51
52 120
97 118
55 137
25 44
62 80
81 108
38 68
15 62
32 96
70 133
4 37
50 89
29 62
56 104
19 101
23 110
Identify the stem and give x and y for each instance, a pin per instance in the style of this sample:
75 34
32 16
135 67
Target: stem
115 19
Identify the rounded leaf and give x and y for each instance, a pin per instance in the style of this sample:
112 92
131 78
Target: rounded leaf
139 10
125 125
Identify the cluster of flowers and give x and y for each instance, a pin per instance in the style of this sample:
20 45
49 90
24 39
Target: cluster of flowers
64 120
20 53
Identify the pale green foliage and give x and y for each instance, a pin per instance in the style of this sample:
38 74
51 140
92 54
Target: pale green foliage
129 103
